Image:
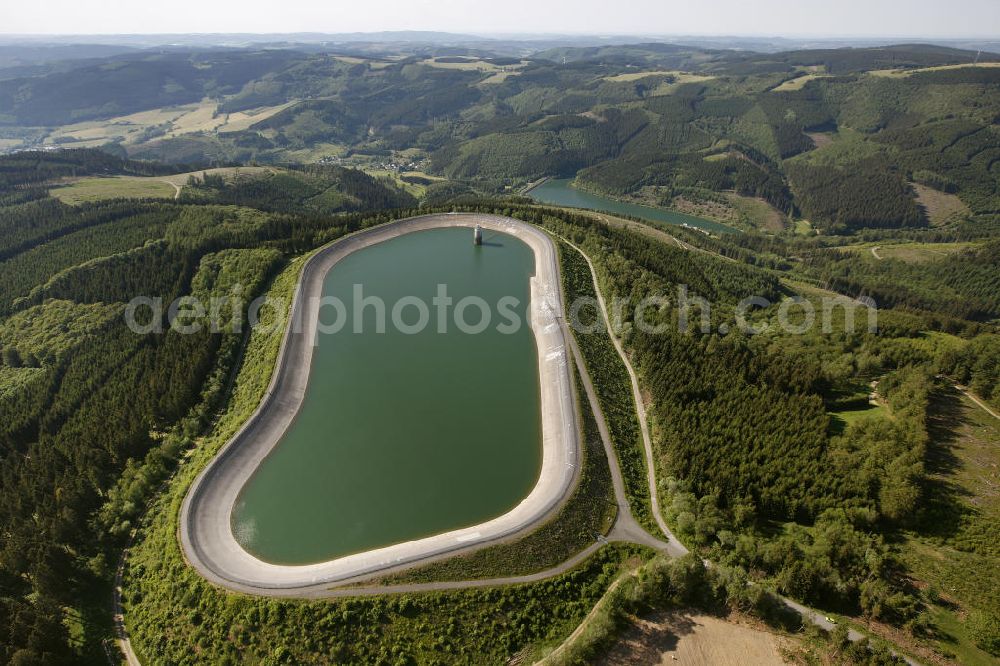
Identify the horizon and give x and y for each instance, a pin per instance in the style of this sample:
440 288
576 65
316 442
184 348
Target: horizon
852 19
508 35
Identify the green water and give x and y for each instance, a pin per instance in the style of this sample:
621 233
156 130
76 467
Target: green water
560 192
402 435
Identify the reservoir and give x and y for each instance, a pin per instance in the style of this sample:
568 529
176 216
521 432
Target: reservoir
560 192
405 433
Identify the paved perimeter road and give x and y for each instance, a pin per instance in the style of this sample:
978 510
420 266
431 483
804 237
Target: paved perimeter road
206 533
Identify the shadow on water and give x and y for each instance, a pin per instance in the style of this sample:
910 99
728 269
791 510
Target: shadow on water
491 240
944 505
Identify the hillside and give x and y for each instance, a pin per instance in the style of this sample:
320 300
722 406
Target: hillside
840 137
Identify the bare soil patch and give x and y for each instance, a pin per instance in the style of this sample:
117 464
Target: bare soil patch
820 139
695 639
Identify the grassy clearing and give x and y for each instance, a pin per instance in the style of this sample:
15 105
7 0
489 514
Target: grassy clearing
637 76
758 213
125 128
941 208
841 148
317 151
955 551
471 64
181 179
168 121
88 190
798 83
206 119
903 73
678 78
820 139
408 180
804 228
847 417
914 252
498 77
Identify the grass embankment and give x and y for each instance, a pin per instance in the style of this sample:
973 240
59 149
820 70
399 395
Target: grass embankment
612 384
176 617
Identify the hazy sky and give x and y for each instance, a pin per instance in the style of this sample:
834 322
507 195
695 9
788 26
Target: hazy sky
880 18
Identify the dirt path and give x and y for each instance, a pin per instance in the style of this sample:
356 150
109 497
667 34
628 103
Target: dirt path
875 252
586 620
122 640
972 396
177 188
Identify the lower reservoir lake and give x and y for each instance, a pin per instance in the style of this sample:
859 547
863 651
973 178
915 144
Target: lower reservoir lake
406 434
560 192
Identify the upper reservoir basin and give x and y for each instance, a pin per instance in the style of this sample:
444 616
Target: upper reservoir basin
560 192
403 434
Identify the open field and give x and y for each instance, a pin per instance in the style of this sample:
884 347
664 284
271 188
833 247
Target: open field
86 190
798 83
758 213
849 416
903 73
839 148
636 76
696 639
665 87
913 252
316 152
471 64
941 207
128 187
169 121
680 78
181 179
